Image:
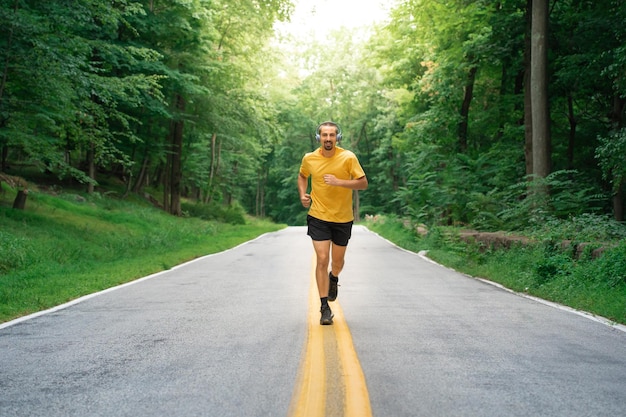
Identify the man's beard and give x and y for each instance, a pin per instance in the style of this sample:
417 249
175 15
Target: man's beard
328 145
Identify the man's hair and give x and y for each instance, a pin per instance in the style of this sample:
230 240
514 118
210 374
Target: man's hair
328 123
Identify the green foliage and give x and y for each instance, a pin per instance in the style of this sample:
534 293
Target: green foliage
104 83
610 155
551 265
523 207
113 83
582 228
610 268
66 82
426 50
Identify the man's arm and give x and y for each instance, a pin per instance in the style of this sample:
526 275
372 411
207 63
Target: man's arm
303 183
355 184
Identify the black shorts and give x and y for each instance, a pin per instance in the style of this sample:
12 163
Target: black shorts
338 233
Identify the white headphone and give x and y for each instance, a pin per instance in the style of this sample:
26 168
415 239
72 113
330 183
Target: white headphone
317 131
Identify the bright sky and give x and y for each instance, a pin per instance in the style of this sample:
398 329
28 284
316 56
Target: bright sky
319 17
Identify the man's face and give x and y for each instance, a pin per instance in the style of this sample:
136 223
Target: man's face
328 137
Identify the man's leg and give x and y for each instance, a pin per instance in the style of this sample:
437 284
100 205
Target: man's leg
338 254
322 252
338 259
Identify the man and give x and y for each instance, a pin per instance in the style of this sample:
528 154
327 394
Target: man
334 173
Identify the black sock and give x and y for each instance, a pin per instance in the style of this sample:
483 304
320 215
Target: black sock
332 277
324 301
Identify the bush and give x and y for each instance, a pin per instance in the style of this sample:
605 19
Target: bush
610 268
582 228
552 266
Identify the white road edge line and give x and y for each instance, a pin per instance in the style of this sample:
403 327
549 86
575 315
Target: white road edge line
96 294
585 314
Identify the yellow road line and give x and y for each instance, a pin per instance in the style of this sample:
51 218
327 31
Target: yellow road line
310 399
310 394
357 401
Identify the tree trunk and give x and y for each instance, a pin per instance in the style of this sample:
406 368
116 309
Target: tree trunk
167 171
143 172
528 120
260 192
216 150
20 199
572 132
619 104
177 150
357 206
207 197
91 166
618 204
465 106
539 90
5 153
7 60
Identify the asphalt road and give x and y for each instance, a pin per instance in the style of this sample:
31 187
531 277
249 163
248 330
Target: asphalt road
224 336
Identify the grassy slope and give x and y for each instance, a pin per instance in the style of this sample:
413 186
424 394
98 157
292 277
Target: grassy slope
595 286
63 247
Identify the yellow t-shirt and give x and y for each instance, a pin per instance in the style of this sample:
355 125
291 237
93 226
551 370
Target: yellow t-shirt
331 203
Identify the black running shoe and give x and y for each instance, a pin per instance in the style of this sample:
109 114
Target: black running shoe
327 315
332 287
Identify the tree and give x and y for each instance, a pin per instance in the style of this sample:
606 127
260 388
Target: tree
539 89
62 85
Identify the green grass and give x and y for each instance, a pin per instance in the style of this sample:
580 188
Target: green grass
597 286
66 246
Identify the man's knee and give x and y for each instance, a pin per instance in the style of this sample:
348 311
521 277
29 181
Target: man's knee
322 260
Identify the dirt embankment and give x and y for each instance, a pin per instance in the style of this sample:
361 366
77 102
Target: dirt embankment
505 240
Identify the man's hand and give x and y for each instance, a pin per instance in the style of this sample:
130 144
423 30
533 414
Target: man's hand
330 179
352 184
306 200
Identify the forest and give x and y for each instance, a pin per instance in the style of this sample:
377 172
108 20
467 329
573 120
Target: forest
491 115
